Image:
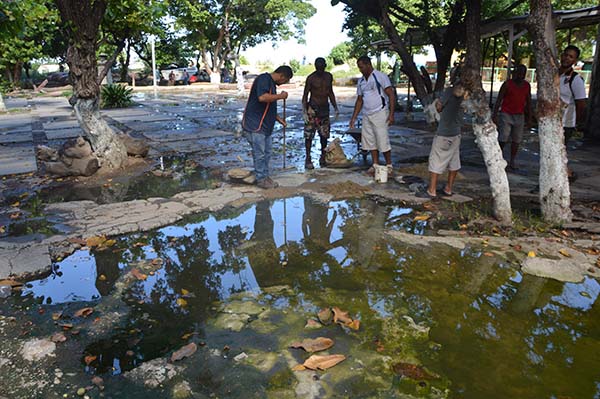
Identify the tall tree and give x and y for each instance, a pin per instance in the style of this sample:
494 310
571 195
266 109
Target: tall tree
220 29
82 19
26 26
554 183
395 16
485 130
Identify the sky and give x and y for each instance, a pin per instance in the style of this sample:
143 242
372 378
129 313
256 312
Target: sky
322 32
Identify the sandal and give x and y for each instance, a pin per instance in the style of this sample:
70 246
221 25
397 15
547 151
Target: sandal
443 193
425 194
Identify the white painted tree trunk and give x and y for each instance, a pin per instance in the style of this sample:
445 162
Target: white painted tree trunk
555 193
486 137
2 106
215 77
107 147
239 77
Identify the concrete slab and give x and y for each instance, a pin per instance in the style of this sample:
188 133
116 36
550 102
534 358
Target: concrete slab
16 137
145 118
16 160
56 125
60 134
186 135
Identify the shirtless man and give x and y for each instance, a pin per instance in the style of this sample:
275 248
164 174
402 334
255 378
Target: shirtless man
316 109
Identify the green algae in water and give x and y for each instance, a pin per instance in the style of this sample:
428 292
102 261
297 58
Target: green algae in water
492 332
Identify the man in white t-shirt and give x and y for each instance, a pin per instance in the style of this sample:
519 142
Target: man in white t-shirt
572 95
376 99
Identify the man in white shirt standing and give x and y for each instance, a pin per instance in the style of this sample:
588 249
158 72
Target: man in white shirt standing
572 95
377 100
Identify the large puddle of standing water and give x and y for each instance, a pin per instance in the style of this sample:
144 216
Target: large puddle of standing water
247 280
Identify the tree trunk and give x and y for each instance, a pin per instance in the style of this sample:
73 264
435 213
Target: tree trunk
484 129
82 19
554 184
592 125
2 106
408 65
125 66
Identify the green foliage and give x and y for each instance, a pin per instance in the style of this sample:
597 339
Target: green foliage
295 65
340 53
221 28
244 60
26 28
116 96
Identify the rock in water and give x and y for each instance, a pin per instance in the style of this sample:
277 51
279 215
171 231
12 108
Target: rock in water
37 349
135 147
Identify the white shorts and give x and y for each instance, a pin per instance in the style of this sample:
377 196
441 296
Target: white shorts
374 133
445 154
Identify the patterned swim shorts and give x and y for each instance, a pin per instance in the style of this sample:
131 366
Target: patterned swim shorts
316 123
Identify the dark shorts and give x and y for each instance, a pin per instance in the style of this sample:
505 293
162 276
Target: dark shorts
316 123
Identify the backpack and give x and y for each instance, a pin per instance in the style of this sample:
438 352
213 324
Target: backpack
571 78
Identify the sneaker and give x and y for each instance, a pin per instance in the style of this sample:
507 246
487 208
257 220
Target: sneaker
273 182
267 183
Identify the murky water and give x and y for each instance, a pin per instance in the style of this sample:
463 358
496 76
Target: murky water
248 280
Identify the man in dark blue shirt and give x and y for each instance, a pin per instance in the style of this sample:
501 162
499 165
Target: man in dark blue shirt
259 119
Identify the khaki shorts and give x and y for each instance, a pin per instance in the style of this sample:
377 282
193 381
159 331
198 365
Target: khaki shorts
445 154
510 125
374 133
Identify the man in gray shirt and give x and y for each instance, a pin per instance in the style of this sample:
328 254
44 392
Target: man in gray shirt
445 149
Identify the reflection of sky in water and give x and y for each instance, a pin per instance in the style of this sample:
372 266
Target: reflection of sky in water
572 294
73 280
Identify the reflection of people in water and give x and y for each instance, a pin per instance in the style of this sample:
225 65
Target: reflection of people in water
316 228
263 255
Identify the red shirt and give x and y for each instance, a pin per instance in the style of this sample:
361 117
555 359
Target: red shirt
515 97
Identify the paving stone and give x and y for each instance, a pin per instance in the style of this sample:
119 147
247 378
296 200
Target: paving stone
16 137
61 134
17 159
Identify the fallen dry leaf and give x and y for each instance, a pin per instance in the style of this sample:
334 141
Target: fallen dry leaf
312 324
298 367
58 337
313 345
564 253
183 352
85 312
56 316
89 359
15 216
325 316
421 218
95 241
412 371
354 325
316 362
592 251
138 274
488 254
16 204
339 316
66 326
531 254
181 302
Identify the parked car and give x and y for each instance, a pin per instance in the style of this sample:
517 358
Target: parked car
178 72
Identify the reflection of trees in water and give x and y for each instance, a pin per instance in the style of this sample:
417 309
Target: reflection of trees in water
156 321
500 336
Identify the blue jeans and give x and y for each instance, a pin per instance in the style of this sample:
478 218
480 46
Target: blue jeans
261 152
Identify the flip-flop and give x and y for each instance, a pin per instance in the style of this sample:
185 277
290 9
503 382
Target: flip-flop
425 194
443 193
